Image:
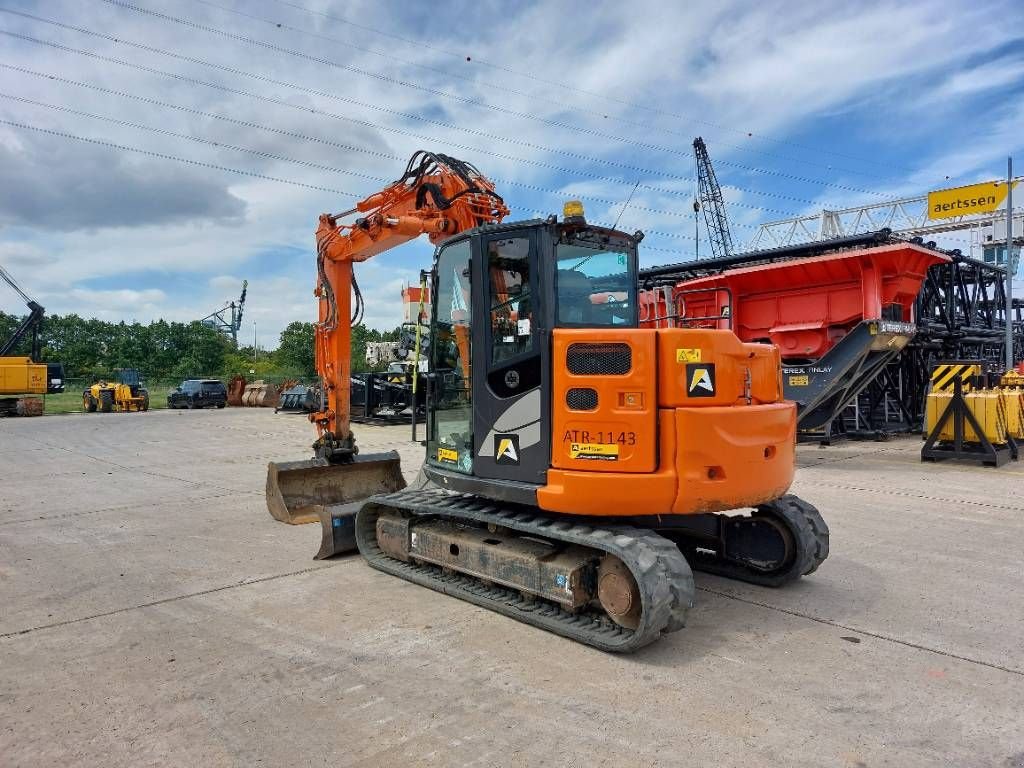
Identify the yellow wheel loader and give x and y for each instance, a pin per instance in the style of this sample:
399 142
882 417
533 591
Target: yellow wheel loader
124 395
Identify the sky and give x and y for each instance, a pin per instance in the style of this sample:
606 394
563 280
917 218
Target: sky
153 155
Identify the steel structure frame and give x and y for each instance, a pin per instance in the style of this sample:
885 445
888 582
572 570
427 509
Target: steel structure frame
228 319
906 217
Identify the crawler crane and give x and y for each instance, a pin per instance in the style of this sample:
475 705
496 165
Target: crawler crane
24 376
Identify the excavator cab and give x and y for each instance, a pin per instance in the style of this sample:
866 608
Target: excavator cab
545 391
500 291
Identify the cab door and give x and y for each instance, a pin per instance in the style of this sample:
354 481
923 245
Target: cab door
509 376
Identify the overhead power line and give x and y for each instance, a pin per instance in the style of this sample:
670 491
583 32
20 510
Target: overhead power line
454 97
324 113
186 161
199 113
320 166
266 45
188 137
324 94
292 134
228 169
602 95
503 88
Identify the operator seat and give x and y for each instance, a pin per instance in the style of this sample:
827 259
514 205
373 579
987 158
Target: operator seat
574 291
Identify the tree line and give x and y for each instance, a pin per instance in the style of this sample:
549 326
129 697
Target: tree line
165 351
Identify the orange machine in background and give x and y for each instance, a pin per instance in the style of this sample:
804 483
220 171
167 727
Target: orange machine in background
838 318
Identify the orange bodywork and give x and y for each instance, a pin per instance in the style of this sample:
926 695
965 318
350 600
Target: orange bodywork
627 405
697 425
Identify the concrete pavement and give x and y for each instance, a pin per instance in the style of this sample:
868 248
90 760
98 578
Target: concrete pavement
154 614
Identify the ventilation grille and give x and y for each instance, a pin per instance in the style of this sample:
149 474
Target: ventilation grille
581 399
599 359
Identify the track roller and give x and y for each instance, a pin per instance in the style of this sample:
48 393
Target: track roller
618 592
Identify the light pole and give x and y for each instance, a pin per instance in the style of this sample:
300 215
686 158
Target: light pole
1011 265
254 342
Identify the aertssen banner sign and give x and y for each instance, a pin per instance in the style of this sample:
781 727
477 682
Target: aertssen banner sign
964 201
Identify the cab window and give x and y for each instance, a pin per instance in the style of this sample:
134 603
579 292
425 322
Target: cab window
511 310
595 287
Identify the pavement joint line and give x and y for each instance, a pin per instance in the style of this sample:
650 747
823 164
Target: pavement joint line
836 459
1008 470
117 508
912 495
163 601
866 633
194 483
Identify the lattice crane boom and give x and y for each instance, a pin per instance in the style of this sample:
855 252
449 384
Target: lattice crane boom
709 194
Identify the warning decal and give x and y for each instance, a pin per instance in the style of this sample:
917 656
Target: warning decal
687 355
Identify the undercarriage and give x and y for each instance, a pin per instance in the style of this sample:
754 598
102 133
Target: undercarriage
609 584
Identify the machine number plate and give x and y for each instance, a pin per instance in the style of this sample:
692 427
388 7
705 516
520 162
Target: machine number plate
600 437
890 326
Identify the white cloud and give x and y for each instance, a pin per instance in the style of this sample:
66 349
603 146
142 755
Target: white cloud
22 256
81 214
985 77
119 303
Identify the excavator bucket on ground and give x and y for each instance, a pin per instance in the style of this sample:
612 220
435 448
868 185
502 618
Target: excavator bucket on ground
306 491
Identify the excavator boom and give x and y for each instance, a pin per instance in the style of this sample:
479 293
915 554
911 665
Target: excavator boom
438 196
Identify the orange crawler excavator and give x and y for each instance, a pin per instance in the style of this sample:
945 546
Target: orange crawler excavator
577 466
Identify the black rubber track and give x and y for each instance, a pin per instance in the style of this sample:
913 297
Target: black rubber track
810 536
661 571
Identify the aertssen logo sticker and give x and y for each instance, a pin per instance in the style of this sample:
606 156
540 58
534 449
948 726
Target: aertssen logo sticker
700 379
506 449
447 454
594 451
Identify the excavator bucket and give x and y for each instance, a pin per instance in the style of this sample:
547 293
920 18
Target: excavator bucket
306 491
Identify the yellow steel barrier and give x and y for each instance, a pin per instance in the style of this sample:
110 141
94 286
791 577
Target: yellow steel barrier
1013 402
944 376
935 406
989 410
